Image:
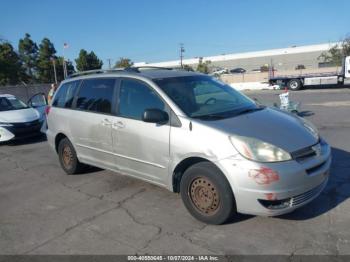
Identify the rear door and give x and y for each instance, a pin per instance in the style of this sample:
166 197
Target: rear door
141 149
91 122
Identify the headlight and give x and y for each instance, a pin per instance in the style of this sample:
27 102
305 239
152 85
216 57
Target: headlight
257 150
5 124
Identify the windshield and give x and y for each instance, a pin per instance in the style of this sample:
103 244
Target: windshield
203 97
11 103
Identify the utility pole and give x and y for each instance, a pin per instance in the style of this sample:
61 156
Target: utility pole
109 63
271 69
182 50
65 74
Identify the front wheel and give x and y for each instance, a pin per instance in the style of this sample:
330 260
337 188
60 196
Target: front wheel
207 194
294 84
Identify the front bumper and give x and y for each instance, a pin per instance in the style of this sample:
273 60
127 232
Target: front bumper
259 188
20 130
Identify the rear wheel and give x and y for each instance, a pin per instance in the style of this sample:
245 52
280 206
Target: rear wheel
207 194
68 157
294 84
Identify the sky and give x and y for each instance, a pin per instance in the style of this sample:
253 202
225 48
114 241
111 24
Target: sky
152 30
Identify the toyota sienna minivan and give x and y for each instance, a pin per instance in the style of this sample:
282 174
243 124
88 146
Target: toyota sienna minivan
191 134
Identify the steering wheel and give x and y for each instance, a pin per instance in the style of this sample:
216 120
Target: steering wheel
210 99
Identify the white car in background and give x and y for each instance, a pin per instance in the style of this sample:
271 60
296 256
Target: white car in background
21 120
219 71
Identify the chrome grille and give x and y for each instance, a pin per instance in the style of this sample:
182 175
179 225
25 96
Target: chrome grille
299 199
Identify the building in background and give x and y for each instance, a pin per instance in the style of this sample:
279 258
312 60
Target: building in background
284 59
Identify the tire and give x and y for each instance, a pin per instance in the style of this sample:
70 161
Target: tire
340 80
294 84
68 158
207 194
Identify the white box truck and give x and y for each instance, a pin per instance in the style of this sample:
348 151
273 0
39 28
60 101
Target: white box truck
297 82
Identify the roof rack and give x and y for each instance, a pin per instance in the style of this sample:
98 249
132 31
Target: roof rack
98 71
150 67
134 69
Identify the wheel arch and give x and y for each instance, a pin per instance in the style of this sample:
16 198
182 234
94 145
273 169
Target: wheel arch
58 139
180 169
182 166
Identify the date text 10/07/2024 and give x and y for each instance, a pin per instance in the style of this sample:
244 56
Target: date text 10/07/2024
173 258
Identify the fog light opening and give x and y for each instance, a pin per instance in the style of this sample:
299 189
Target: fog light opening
275 204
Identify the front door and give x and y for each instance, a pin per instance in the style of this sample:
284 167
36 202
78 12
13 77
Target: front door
141 149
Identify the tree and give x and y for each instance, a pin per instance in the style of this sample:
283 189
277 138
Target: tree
28 53
337 52
264 68
88 61
123 63
47 51
70 67
203 67
10 66
81 61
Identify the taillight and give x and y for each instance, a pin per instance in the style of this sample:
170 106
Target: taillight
47 110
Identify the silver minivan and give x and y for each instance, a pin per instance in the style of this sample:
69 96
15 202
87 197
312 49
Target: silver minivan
191 134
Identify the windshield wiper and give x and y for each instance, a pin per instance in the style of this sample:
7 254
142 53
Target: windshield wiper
210 117
249 110
228 114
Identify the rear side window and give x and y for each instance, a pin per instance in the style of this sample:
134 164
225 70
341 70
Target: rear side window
96 95
135 97
65 95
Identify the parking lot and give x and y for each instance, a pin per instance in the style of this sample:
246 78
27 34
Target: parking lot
44 211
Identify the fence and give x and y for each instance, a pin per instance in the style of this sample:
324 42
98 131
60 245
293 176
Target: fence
25 92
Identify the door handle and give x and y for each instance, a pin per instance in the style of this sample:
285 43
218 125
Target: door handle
106 122
119 124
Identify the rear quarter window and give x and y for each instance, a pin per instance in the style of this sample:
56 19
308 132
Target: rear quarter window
96 95
65 95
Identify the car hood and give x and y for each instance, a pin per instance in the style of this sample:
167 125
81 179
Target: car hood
269 125
19 116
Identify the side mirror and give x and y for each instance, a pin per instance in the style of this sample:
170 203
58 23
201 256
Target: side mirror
154 115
